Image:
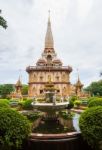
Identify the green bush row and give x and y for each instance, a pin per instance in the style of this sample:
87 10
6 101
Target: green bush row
95 102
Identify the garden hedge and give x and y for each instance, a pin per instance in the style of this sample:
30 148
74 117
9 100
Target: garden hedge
93 103
90 124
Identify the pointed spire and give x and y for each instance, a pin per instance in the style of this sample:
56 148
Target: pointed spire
19 82
78 83
49 37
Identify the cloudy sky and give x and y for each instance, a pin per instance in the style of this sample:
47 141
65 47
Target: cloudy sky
77 31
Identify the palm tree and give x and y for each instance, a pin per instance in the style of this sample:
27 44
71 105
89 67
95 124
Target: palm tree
3 22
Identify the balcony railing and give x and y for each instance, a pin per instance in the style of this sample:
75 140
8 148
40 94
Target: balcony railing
49 68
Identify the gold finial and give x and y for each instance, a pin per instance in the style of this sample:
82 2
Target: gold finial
78 73
49 16
49 12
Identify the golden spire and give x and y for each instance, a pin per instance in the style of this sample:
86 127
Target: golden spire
78 83
19 82
49 38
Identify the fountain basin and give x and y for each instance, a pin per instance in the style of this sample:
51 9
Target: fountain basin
50 106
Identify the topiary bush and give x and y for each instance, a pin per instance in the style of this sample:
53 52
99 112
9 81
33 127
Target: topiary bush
70 105
27 104
93 103
73 98
4 103
90 124
77 103
14 128
93 98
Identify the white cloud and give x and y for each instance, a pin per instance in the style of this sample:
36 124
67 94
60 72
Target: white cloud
84 8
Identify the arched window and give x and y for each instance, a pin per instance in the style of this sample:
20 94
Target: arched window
49 59
57 78
35 77
41 78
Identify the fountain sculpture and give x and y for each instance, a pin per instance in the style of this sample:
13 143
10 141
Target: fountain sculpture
51 107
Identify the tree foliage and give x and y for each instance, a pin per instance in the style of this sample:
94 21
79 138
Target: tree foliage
14 128
25 90
90 123
3 22
95 88
5 90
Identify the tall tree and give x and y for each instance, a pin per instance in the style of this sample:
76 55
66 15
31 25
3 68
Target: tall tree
5 90
95 88
25 90
3 22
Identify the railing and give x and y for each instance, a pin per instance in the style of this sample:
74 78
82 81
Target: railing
48 67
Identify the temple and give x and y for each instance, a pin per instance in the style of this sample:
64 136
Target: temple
18 90
50 66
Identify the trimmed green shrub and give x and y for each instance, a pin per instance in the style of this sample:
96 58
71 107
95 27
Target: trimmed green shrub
71 102
90 124
73 98
77 103
70 105
4 103
27 104
14 128
93 103
93 98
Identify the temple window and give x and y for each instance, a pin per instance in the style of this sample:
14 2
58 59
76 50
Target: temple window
58 91
41 91
35 77
41 78
57 78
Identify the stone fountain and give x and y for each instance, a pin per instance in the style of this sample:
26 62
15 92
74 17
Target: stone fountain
51 129
51 107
